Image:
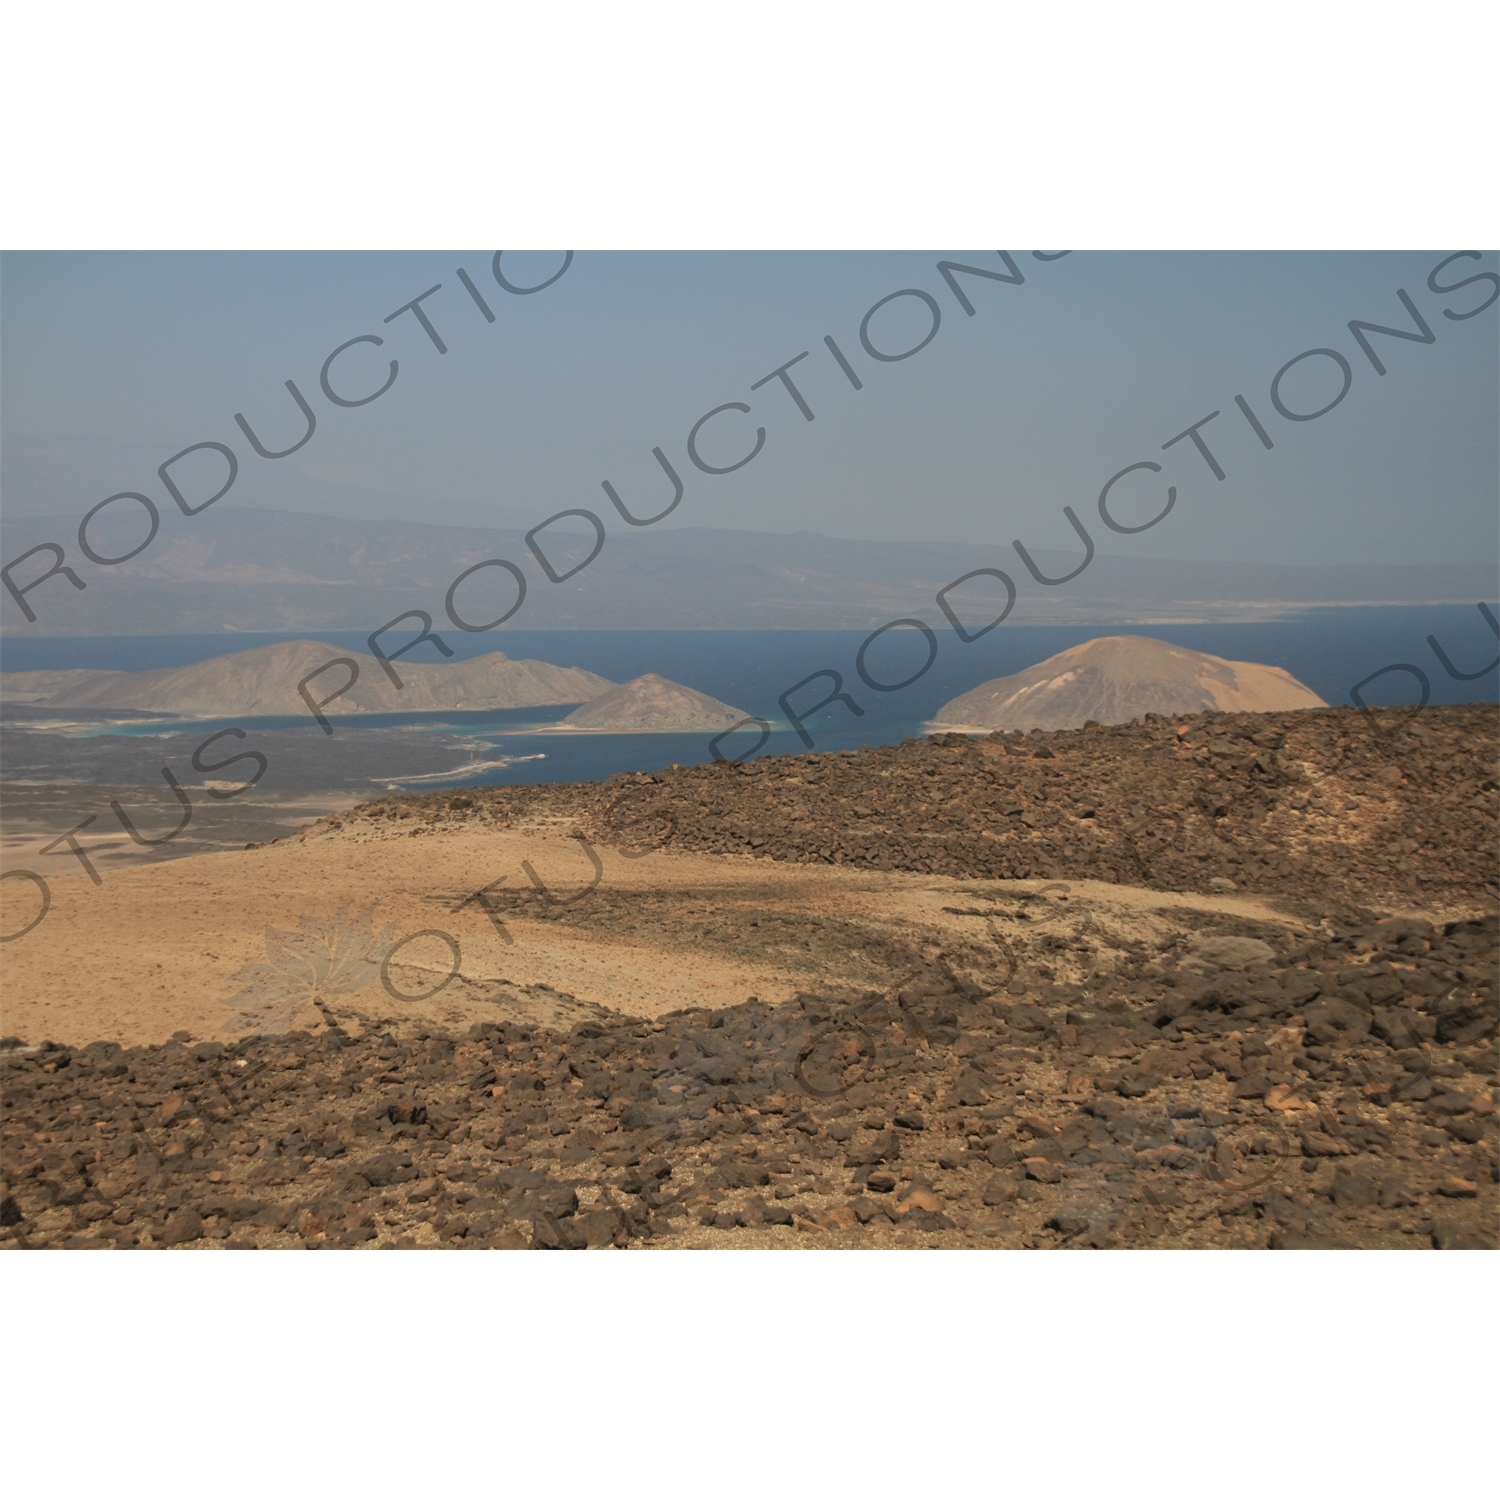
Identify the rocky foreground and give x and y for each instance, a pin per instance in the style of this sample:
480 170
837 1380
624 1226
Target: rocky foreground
1341 1095
1231 1090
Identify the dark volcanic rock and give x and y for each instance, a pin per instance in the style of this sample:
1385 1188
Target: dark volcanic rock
1257 799
184 1225
1230 1093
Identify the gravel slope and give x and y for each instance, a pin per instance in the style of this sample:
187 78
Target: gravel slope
1321 804
1232 1091
1340 1095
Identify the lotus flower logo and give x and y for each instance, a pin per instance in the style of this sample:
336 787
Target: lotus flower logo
336 955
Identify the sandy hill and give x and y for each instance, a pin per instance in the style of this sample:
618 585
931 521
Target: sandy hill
653 705
1117 678
264 680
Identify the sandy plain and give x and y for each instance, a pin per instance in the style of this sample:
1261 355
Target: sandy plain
156 947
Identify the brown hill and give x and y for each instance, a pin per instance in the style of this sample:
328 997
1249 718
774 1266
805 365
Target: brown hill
653 705
1322 806
1117 678
1315 804
263 681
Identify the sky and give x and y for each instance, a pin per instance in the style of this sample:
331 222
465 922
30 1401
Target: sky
110 363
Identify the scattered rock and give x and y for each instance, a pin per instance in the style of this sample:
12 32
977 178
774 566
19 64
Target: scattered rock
1354 1190
1234 953
920 1197
1361 1043
548 1233
1290 1239
1446 1236
1317 1143
1000 1190
1458 1187
183 1226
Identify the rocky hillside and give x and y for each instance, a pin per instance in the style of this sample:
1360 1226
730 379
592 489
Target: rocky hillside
1238 1090
1340 1094
1324 805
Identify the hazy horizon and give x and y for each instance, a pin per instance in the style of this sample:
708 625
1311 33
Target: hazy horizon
574 529
110 364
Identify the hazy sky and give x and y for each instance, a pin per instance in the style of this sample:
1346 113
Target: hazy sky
111 363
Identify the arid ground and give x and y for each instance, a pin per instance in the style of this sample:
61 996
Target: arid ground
1226 980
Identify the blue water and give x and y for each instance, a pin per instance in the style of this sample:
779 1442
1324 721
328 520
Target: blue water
1328 649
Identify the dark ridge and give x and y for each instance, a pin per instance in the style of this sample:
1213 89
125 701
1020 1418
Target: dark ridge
1325 804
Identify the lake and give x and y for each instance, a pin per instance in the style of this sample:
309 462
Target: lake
1328 649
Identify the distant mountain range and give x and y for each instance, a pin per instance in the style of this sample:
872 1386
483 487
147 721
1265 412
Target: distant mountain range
258 570
263 682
